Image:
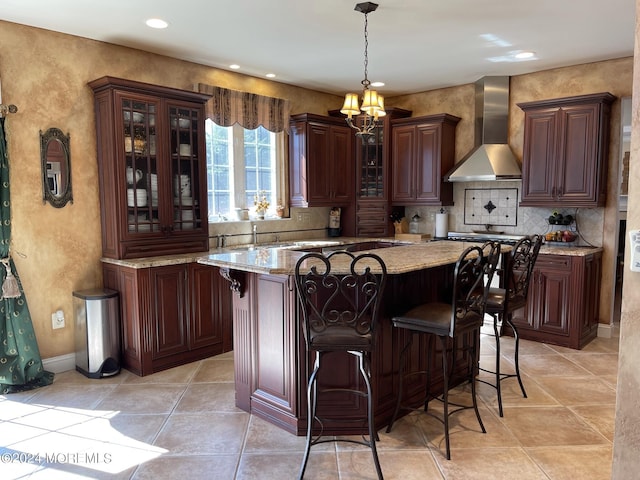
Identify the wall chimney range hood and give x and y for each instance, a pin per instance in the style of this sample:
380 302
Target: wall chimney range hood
491 158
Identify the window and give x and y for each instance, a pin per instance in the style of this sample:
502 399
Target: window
240 164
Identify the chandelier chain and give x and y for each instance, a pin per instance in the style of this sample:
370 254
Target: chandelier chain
366 81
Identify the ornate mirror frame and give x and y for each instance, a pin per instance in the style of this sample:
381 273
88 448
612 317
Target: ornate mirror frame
55 157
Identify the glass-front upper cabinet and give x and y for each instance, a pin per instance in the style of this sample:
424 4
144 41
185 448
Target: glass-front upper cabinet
152 169
372 171
373 157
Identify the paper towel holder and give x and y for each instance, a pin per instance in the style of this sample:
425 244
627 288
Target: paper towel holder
442 224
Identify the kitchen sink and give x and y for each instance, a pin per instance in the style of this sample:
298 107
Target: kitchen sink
317 243
251 247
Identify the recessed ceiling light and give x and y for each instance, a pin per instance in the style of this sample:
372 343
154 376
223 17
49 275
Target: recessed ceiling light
234 66
525 54
156 23
377 84
270 75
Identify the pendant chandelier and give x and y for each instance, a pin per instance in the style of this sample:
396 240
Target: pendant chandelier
372 104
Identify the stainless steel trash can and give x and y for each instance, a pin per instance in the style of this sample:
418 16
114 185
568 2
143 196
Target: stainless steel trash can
97 342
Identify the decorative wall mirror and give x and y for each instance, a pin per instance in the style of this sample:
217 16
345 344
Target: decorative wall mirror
56 167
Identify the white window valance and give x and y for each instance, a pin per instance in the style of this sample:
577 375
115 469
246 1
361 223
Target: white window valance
228 107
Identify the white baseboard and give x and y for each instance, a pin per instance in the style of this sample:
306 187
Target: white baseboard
59 364
604 330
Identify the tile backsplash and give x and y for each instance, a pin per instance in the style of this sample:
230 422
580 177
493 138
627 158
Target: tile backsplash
491 206
467 214
529 220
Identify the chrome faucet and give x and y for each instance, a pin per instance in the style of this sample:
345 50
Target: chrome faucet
255 234
221 240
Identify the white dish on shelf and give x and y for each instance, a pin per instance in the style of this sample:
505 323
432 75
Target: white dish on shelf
130 177
180 122
138 117
136 197
184 149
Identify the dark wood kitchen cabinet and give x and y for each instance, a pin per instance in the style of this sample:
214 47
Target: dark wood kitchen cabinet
565 153
373 185
563 302
152 169
423 149
321 161
171 314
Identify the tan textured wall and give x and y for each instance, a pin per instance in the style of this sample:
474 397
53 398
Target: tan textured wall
45 74
626 443
614 76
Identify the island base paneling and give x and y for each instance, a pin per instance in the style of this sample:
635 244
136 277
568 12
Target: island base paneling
272 367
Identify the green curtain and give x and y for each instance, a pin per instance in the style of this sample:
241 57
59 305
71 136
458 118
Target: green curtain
20 363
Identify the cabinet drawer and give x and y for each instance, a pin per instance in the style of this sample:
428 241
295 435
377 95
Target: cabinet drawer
368 206
560 262
369 218
371 230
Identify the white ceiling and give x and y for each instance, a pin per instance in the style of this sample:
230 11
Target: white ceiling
414 45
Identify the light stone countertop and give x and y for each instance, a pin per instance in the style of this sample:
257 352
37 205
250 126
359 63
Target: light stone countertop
399 259
281 258
570 250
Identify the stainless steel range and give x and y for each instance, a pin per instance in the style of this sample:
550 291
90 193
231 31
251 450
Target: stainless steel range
484 237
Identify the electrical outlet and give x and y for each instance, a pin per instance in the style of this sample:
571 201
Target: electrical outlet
57 319
304 217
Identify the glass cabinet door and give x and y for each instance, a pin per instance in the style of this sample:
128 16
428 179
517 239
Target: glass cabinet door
185 165
161 167
372 166
141 165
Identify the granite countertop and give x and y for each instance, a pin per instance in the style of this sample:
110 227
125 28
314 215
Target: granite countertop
402 258
571 250
281 258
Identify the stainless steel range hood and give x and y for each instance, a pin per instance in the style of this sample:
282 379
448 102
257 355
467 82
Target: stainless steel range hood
491 158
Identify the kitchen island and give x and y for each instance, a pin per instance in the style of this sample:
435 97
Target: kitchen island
271 365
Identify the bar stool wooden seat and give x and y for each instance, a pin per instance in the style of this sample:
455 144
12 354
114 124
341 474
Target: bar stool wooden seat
451 323
503 301
339 297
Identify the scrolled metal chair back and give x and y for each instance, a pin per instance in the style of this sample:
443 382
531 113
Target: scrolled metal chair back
472 275
523 259
340 290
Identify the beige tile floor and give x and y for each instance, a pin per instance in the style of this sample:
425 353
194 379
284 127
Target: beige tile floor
183 423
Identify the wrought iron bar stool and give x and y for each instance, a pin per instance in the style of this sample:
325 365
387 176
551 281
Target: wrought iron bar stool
450 322
339 297
512 295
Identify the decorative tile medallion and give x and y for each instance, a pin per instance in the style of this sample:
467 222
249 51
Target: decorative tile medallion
491 206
